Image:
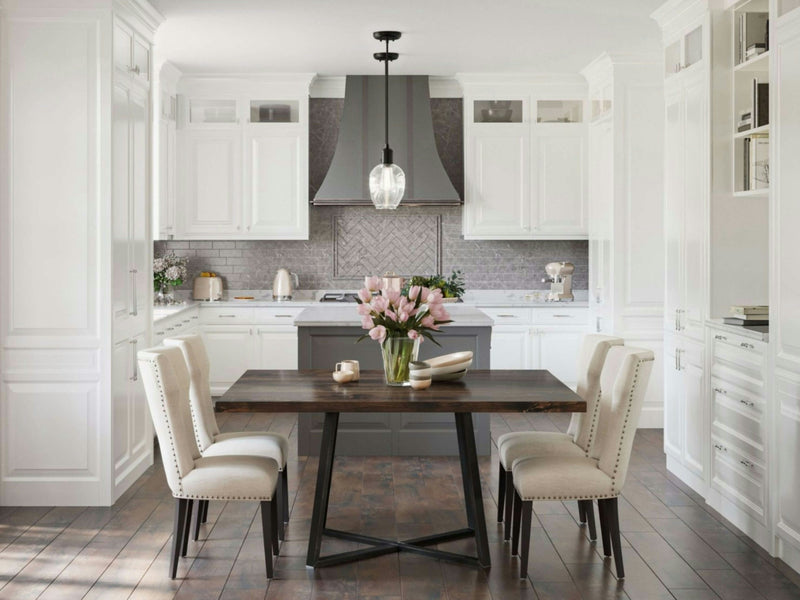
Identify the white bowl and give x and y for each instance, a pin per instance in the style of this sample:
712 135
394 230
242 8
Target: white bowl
454 368
450 359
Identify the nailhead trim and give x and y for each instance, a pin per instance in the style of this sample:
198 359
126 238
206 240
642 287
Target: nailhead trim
592 432
196 497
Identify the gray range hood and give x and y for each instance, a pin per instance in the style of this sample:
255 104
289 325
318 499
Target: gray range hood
361 139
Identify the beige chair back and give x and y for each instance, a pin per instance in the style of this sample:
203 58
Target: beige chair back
166 384
623 384
196 357
583 426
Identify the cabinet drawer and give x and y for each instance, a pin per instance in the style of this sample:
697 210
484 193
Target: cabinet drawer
740 414
561 316
739 351
224 316
738 478
509 316
278 316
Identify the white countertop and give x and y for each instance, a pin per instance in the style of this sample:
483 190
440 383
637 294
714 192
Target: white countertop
345 315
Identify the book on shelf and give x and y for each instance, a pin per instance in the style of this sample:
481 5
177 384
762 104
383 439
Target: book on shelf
749 309
753 29
760 104
754 50
749 318
758 169
742 322
746 164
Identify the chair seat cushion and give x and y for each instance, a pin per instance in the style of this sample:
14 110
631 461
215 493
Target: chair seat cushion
250 443
527 444
562 478
230 478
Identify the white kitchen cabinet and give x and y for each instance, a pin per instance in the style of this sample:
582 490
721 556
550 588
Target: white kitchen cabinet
132 53
511 347
276 347
276 164
685 420
558 352
164 206
560 175
209 183
525 177
498 184
230 354
240 174
626 204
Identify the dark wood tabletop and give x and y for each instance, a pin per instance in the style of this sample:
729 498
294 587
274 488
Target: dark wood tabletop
314 390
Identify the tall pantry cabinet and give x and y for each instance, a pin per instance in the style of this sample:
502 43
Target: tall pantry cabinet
785 280
687 168
76 260
626 239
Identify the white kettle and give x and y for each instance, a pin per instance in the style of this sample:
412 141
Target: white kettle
282 285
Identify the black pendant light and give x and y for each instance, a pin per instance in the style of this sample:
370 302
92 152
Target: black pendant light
387 182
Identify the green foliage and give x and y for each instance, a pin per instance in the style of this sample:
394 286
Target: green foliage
452 287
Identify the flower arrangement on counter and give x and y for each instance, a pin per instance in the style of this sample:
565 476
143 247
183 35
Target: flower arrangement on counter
400 322
169 270
452 287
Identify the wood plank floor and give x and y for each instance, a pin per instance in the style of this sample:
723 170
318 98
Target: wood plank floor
674 546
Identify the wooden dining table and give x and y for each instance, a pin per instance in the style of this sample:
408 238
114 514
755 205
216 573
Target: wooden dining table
479 391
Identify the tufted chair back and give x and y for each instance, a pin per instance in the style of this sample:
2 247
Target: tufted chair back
166 383
623 384
194 353
582 426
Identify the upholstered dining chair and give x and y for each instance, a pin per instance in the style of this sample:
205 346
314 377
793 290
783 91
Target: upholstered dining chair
213 443
623 383
578 440
191 476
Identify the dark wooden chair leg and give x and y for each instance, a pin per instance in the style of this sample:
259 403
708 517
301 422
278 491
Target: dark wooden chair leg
588 511
612 515
187 527
177 535
517 523
267 527
510 493
278 501
198 519
205 510
501 492
527 510
602 510
273 515
581 513
285 493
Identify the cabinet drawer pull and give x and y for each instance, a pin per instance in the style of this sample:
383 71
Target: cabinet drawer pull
134 300
746 463
284 316
170 329
226 316
563 316
748 346
721 337
187 321
135 69
721 391
747 403
160 332
506 316
720 447
195 317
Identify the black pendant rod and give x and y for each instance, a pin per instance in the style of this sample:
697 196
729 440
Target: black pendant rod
386 36
386 93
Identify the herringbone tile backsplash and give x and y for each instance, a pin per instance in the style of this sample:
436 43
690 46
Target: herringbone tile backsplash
346 243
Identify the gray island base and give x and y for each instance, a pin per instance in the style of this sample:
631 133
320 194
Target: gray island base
328 334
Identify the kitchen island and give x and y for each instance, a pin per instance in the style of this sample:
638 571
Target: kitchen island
327 334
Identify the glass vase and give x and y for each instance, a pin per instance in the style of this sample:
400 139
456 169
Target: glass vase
397 353
165 295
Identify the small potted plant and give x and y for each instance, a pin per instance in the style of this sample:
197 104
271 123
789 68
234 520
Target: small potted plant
168 271
399 322
452 287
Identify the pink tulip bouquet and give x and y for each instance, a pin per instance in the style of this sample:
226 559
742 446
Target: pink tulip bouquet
400 323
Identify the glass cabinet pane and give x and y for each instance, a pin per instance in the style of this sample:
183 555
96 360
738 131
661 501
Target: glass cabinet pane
559 111
204 110
693 47
497 111
274 111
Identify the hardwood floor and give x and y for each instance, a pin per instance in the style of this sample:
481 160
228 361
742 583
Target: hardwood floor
674 547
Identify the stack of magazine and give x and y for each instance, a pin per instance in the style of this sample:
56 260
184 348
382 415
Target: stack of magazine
748 315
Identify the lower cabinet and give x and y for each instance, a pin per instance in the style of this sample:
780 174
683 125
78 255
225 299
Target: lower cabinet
130 414
229 348
685 410
276 347
511 347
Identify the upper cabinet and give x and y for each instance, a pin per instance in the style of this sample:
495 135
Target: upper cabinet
242 159
525 159
132 53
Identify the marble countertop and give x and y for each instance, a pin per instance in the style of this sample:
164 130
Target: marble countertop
339 315
756 332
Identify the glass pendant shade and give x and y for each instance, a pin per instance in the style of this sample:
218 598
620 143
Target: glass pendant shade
387 183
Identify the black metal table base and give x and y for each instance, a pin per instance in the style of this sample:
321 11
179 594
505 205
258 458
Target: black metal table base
472 494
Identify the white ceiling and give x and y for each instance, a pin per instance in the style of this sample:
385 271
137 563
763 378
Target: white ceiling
440 37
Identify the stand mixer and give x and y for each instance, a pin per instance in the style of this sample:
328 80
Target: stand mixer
560 274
